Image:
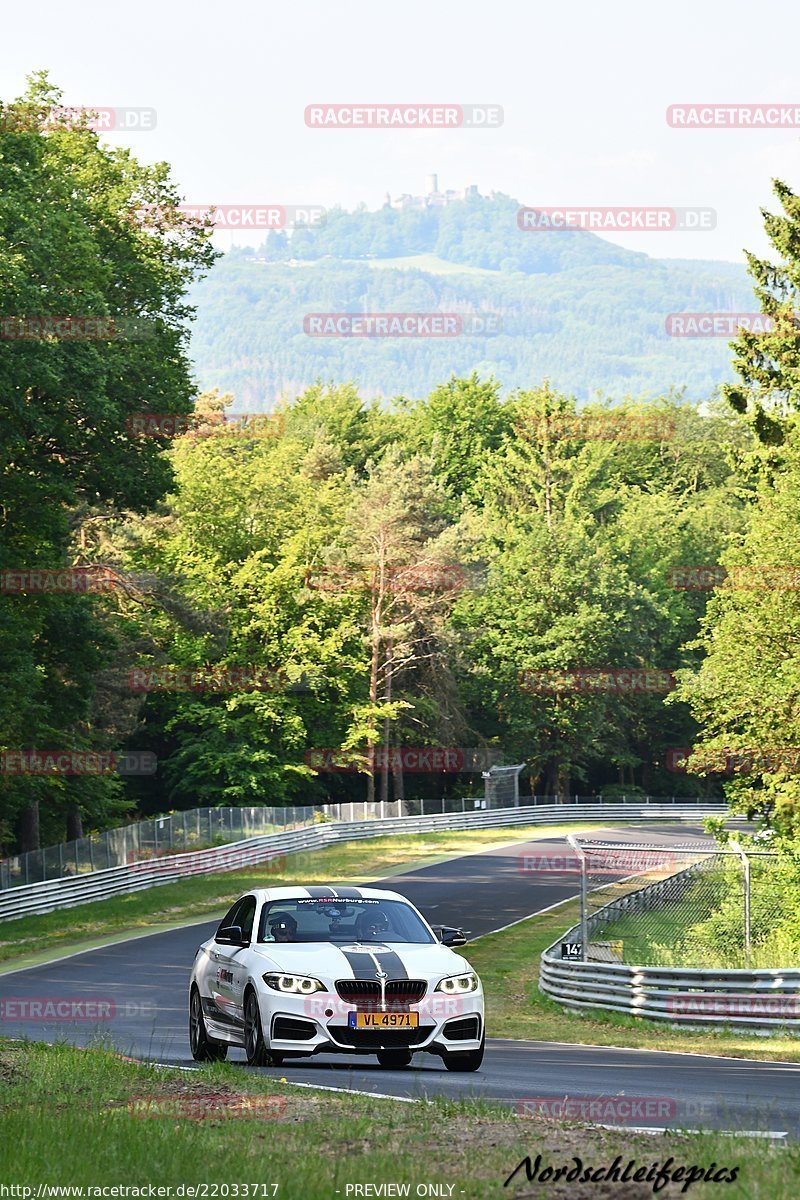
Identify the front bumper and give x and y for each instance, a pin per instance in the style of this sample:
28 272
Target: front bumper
312 1024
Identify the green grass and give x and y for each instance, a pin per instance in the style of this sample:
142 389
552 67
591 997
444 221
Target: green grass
508 964
651 938
173 904
70 1117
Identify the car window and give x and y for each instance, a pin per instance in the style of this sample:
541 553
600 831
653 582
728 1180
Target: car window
246 915
230 916
299 919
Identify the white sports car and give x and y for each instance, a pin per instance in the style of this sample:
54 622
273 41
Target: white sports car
292 971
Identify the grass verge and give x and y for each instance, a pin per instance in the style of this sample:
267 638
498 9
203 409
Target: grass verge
508 964
90 1119
174 904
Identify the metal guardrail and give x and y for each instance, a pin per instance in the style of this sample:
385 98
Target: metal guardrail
201 828
47 896
759 999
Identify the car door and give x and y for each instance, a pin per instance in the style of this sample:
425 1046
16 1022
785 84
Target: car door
224 968
237 955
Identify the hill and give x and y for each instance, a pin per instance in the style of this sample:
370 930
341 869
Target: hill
585 313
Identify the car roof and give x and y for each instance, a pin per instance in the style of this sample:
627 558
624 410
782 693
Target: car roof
325 892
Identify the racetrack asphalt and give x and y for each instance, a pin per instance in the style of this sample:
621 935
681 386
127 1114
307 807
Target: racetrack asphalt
143 982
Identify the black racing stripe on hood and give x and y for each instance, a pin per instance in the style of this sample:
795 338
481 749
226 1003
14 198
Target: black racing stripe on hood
391 963
347 893
362 966
321 893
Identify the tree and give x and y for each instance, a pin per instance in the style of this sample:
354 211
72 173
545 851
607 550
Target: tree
746 693
393 540
74 244
768 364
461 423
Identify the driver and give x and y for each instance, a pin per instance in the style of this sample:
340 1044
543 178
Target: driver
371 925
283 928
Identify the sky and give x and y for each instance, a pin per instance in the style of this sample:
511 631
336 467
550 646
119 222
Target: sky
584 90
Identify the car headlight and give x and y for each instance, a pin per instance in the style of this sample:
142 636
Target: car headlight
298 985
459 984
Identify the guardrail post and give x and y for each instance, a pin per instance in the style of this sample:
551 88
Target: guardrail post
584 915
746 880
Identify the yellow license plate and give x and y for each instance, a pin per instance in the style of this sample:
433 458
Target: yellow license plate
379 1020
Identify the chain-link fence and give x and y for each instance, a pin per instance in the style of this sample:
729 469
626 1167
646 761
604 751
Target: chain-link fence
696 905
199 828
502 785
194 829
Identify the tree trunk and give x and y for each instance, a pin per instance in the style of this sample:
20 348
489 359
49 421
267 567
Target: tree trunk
399 785
557 781
29 828
387 729
74 823
373 695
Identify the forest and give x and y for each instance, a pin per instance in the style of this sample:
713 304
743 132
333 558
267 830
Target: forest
590 316
307 608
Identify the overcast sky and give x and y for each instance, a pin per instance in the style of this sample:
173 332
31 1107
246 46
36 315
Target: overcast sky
584 88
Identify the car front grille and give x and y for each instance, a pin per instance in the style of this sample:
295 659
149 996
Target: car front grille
379 1039
366 993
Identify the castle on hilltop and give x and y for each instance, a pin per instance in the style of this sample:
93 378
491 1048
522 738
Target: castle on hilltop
433 198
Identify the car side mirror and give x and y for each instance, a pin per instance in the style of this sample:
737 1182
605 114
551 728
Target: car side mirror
231 935
452 937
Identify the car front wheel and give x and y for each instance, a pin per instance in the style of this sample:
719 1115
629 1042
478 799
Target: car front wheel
464 1060
255 1048
202 1047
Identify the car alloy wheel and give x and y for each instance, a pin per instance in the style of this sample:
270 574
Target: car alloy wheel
202 1047
258 1055
464 1060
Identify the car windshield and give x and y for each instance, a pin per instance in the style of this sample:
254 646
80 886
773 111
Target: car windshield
298 919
